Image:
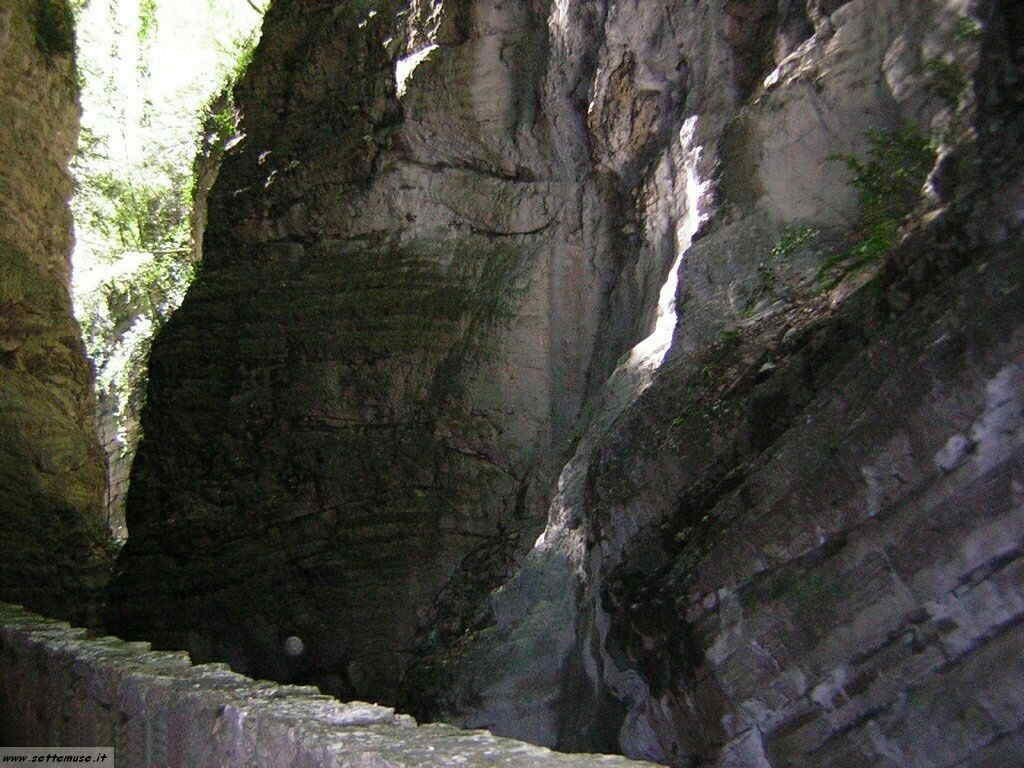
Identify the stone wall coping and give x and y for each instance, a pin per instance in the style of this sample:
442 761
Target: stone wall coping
63 686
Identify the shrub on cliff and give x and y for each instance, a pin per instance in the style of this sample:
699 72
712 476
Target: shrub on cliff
888 180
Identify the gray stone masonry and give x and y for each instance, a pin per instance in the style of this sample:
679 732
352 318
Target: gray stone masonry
61 687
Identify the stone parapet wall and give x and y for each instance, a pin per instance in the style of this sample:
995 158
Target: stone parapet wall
59 686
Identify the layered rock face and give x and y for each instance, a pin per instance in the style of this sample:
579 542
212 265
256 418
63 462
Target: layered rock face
363 364
594 270
55 543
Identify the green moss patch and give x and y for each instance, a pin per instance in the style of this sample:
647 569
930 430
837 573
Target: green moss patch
55 28
21 282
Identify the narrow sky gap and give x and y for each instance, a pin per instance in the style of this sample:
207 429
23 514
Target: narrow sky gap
141 99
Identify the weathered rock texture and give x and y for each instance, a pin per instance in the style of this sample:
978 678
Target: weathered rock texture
61 687
783 514
54 542
377 360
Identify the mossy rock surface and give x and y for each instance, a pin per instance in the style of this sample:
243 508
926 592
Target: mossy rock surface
54 27
309 457
57 551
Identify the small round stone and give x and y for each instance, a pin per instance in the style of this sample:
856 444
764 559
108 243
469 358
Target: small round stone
294 646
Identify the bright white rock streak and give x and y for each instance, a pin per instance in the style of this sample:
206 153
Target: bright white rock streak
406 65
632 376
651 351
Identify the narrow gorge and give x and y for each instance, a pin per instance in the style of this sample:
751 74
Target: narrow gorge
617 376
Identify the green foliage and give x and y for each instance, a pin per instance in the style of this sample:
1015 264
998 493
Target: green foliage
143 214
946 79
55 28
225 120
888 182
219 115
730 336
240 52
137 211
154 289
792 239
870 250
967 29
143 211
147 19
119 321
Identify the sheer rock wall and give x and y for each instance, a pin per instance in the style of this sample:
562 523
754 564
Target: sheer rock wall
52 476
431 325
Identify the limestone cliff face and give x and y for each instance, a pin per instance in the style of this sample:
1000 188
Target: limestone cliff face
365 404
579 275
52 482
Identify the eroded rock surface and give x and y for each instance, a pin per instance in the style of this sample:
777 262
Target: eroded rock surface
365 359
55 544
581 273
797 445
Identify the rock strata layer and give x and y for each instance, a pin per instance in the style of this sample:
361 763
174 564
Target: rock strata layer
56 551
607 273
